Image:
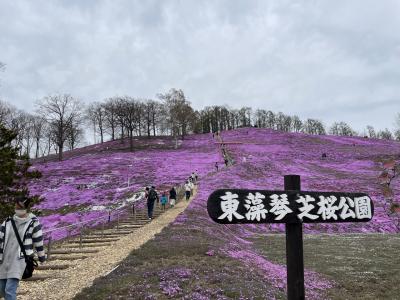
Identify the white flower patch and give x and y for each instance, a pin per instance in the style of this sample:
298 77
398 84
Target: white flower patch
98 208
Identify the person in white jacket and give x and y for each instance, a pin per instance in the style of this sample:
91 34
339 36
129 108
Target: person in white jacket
188 189
12 262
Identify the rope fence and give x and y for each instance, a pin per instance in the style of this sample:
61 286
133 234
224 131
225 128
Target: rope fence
78 228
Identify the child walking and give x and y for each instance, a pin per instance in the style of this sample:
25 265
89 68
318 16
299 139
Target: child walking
164 200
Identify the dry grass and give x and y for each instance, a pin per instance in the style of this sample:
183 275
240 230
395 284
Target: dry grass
364 266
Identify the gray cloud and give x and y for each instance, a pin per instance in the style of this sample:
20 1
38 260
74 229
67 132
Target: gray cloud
333 60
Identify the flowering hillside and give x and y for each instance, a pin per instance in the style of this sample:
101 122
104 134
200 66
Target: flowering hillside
99 174
352 164
105 175
205 260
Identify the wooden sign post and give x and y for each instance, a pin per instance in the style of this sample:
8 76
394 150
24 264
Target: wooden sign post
294 248
292 207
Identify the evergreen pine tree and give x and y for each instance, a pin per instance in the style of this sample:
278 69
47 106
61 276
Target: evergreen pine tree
13 174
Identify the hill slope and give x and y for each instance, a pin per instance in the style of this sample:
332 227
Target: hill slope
99 174
197 259
107 174
219 256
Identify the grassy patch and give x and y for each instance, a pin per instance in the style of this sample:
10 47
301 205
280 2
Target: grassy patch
173 266
62 210
365 266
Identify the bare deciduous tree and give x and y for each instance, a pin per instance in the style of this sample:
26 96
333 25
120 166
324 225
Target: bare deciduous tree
38 133
179 111
341 129
397 134
312 126
371 131
151 111
7 113
62 112
110 109
397 130
74 135
97 115
296 124
120 113
385 134
130 116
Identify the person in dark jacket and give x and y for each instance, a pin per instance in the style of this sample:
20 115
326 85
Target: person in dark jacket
152 197
12 262
172 196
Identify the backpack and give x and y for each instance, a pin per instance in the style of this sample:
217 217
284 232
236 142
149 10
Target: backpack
152 195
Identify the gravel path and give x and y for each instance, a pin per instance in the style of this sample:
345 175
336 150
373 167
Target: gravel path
81 274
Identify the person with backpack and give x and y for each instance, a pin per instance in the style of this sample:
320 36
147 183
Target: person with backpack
172 196
152 197
20 235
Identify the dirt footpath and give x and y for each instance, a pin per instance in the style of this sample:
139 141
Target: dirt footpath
71 281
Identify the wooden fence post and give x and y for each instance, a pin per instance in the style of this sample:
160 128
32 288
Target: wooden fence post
294 249
49 248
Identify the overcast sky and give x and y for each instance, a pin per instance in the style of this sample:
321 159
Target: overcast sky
332 60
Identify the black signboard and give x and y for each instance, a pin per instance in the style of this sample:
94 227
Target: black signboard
237 206
292 207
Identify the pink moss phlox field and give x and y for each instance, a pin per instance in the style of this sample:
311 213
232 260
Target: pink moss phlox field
99 176
261 160
169 279
352 165
234 237
276 274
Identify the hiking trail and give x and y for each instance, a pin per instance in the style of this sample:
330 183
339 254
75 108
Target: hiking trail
102 253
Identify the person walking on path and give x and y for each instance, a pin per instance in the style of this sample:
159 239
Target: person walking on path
191 179
194 178
216 166
152 197
164 200
191 187
187 190
172 196
12 260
